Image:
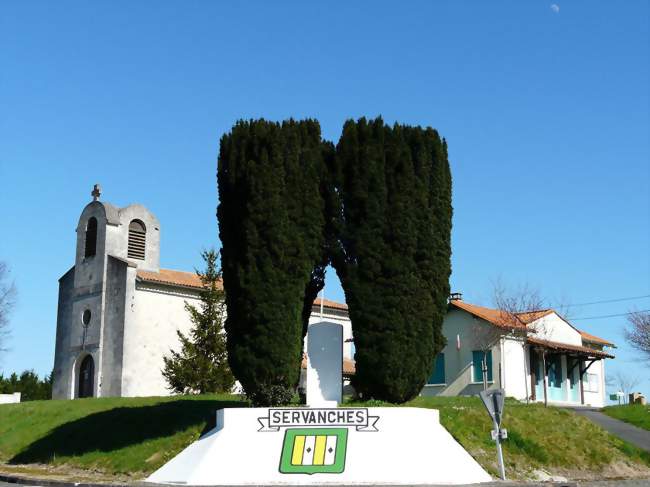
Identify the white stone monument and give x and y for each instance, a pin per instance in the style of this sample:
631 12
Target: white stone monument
323 443
324 364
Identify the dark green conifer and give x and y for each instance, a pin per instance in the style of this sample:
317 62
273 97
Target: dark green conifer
201 365
271 227
389 216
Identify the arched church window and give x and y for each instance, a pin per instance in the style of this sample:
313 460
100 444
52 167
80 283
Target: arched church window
91 237
87 377
137 240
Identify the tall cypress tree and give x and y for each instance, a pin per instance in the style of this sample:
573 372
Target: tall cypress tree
271 227
389 214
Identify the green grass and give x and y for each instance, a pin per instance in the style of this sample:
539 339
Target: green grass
548 438
631 413
135 436
113 435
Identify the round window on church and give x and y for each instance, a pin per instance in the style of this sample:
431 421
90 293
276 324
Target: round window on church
85 317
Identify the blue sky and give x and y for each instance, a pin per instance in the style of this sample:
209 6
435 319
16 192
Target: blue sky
546 111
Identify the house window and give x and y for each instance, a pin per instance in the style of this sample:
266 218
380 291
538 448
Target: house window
554 371
91 237
137 240
477 359
438 375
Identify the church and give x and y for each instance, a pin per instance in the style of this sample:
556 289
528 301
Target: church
118 311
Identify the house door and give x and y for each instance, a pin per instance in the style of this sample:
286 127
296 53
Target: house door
537 368
86 377
556 383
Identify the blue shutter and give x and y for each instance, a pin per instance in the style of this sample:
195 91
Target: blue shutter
477 358
489 365
438 375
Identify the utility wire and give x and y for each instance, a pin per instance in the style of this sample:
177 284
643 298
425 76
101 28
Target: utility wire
618 300
610 316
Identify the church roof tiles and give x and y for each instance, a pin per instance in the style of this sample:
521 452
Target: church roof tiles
170 277
191 280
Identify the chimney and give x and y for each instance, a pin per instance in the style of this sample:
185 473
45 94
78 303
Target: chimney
456 297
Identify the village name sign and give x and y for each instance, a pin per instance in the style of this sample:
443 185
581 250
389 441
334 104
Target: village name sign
331 417
323 443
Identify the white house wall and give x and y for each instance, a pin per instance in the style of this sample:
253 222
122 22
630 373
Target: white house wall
596 398
516 369
553 328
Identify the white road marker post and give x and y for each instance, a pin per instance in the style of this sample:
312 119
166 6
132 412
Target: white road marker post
493 401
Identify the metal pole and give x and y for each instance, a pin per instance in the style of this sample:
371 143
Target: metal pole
322 297
502 470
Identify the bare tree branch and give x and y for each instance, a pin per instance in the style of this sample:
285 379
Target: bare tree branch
523 305
7 302
637 333
624 383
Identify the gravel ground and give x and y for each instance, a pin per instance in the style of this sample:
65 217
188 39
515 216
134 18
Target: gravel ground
599 483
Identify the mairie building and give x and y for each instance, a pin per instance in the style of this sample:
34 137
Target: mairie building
118 313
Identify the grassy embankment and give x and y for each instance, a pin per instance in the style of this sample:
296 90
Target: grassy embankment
631 413
135 436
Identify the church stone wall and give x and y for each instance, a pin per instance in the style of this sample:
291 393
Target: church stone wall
118 240
62 365
150 333
104 284
113 335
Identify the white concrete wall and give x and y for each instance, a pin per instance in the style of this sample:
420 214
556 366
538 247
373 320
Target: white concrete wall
324 342
595 398
555 329
332 316
10 398
514 363
149 334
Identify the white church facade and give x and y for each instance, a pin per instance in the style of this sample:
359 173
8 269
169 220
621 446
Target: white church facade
118 311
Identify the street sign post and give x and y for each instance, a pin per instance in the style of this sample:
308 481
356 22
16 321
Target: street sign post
494 400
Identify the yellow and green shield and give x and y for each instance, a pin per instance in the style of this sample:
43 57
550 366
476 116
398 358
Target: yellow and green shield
314 450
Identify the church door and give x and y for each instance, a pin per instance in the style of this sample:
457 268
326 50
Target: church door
86 377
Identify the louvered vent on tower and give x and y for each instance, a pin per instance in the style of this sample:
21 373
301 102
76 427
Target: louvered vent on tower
137 240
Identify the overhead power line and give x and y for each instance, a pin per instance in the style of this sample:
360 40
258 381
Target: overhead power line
617 300
610 316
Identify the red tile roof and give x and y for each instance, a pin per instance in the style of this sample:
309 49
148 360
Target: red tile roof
331 304
190 279
530 316
565 347
498 318
504 320
349 366
169 277
588 337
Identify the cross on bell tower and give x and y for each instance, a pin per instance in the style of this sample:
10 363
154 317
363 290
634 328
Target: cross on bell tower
96 192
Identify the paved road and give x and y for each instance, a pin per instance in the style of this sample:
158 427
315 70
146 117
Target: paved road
632 434
600 483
